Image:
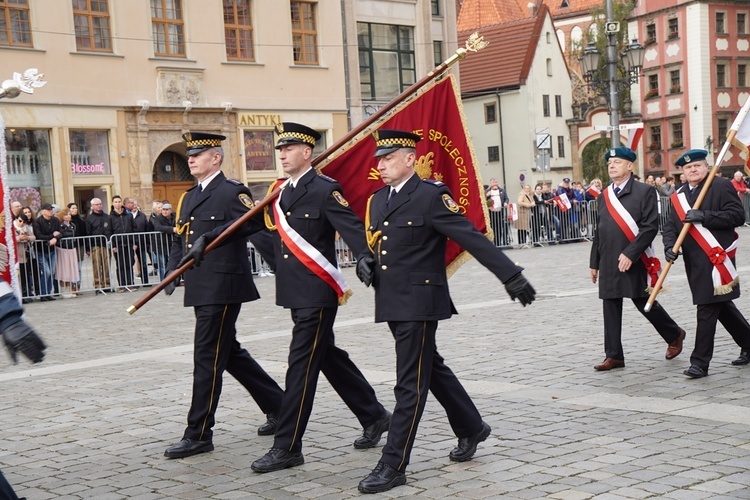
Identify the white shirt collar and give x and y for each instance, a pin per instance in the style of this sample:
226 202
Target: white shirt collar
205 182
295 181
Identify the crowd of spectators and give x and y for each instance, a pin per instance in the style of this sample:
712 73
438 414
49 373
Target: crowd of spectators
53 244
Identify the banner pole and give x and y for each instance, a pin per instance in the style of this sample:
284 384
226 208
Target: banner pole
473 44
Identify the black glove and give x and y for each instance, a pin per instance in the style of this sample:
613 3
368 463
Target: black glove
19 337
519 288
695 216
195 253
670 255
170 287
366 269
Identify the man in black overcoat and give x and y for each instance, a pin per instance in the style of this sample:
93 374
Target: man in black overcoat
310 210
709 251
216 290
408 223
622 258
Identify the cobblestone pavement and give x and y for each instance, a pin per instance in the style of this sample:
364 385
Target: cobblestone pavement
94 419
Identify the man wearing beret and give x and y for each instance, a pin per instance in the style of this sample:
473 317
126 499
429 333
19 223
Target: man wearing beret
304 221
215 287
709 250
408 223
622 257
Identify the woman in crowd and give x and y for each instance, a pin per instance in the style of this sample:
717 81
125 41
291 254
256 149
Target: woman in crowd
24 243
32 262
81 248
525 204
67 270
539 217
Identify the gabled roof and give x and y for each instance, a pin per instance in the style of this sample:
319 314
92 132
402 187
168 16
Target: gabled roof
506 61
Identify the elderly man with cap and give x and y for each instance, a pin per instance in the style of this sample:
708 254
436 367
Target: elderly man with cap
709 251
623 260
408 223
215 287
304 221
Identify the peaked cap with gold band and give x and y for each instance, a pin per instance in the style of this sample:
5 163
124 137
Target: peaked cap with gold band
197 142
296 133
388 141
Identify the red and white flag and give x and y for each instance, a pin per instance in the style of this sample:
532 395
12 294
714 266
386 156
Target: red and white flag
634 138
562 202
742 139
594 191
512 212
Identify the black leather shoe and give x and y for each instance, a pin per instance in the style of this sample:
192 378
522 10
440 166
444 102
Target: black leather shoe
467 446
743 359
695 372
188 447
382 478
372 433
277 459
269 428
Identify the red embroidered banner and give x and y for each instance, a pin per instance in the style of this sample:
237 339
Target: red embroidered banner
444 154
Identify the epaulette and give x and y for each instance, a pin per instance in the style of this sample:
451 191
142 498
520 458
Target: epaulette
326 178
434 182
234 181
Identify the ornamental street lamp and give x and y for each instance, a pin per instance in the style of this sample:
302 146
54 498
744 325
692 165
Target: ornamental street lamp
609 80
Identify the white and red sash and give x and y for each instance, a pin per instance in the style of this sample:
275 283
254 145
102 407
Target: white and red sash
630 228
310 257
724 274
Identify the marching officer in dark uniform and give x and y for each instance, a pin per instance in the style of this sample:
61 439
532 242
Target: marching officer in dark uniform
304 221
622 258
408 224
216 290
709 251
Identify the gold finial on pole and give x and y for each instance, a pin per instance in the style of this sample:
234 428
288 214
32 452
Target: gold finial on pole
475 42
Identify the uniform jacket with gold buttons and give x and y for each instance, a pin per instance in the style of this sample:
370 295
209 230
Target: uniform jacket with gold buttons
224 276
410 279
316 209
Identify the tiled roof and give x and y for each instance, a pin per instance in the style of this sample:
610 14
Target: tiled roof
480 13
558 8
475 14
506 61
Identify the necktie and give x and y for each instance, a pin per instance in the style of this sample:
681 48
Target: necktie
390 197
617 191
200 188
287 194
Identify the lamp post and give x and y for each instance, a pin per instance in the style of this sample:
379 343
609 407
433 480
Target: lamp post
604 79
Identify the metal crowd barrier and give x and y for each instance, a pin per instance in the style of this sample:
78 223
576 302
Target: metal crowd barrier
93 264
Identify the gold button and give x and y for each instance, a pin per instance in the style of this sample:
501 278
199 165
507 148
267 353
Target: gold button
191 232
383 267
213 217
307 215
385 223
190 246
385 238
409 223
286 256
371 227
383 252
288 214
192 218
427 281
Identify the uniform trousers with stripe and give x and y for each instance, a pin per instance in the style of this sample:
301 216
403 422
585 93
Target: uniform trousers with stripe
311 351
657 316
216 349
730 317
420 368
